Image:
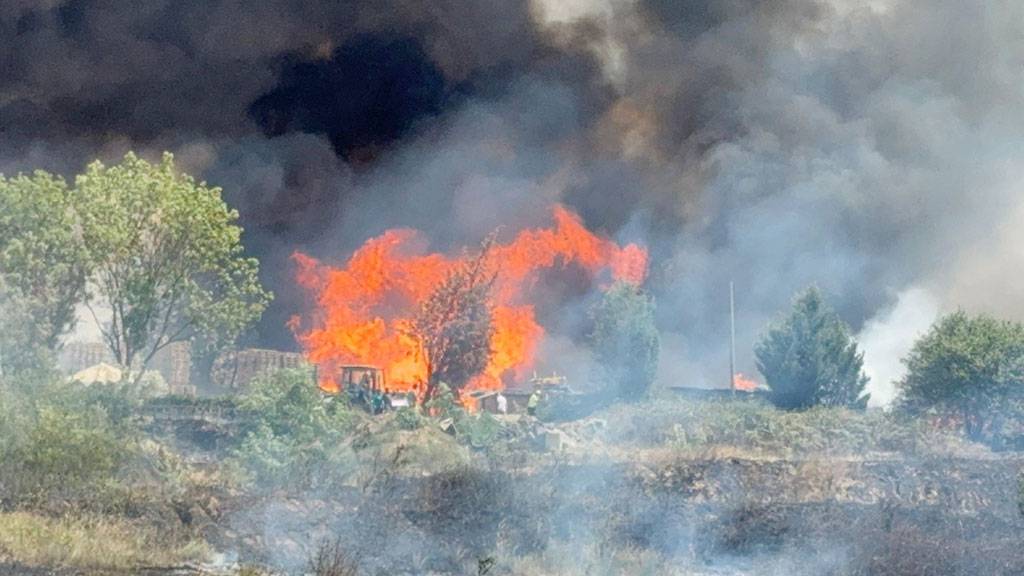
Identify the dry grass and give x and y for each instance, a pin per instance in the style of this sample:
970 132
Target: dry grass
331 559
755 430
91 543
591 560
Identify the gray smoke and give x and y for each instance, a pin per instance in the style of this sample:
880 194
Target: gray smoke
867 147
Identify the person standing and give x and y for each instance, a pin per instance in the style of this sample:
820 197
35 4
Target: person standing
502 403
532 403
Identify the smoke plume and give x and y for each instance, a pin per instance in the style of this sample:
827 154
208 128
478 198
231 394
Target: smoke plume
867 147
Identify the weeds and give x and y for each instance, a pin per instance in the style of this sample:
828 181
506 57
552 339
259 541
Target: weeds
91 542
331 559
755 426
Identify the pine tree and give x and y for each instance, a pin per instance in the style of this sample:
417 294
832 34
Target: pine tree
809 358
625 340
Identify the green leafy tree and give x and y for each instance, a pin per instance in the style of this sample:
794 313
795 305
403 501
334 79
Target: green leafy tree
625 340
808 358
455 325
22 350
972 367
169 263
43 267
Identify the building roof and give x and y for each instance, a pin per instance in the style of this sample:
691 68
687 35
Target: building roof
99 373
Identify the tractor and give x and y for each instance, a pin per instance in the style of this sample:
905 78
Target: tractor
367 386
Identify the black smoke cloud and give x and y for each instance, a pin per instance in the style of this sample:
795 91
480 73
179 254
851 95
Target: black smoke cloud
869 147
368 94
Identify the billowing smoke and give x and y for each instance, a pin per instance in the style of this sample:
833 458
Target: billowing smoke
867 147
887 338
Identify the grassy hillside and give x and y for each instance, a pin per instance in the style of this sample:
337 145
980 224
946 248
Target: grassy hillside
102 478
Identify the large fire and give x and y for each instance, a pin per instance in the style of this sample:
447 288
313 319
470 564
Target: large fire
365 309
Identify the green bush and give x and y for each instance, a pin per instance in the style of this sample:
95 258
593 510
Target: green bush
291 431
478 430
291 405
443 404
72 448
63 457
625 341
62 444
15 415
119 402
20 352
271 459
408 418
969 367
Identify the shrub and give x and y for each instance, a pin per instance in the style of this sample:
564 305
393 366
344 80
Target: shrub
290 404
972 367
271 459
759 427
408 418
625 340
15 414
808 358
466 508
478 430
119 402
64 457
64 446
442 404
291 432
331 559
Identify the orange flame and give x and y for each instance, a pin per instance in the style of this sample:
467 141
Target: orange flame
364 311
741 382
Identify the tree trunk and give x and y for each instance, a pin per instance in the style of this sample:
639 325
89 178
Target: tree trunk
973 426
428 395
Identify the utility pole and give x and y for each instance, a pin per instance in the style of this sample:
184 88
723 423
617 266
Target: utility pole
732 337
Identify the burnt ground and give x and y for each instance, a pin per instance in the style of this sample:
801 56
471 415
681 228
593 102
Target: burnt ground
844 517
879 515
12 569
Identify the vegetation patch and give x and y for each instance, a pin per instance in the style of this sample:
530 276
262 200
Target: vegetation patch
91 542
760 429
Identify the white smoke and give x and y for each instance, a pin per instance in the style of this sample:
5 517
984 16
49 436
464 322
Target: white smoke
886 339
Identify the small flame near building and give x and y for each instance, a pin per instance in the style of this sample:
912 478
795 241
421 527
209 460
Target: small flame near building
364 310
742 383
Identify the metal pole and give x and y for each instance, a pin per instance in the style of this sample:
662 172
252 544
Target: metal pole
732 337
